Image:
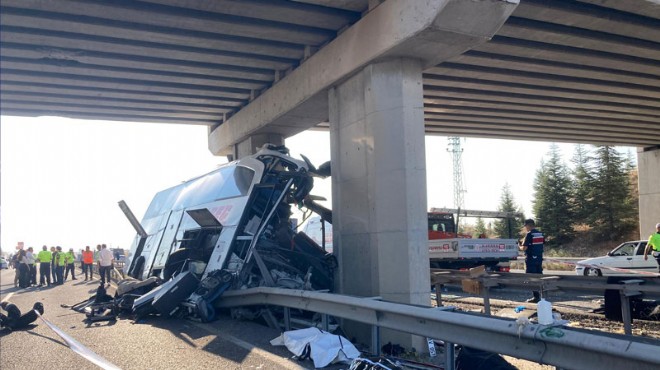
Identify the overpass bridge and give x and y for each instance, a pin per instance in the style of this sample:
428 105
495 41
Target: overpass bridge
578 71
378 74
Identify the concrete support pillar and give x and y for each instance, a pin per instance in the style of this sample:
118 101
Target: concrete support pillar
379 184
648 165
253 143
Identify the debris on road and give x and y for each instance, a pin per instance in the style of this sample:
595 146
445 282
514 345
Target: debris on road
14 319
320 346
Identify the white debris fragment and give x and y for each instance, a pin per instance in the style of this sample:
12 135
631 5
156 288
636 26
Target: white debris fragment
522 321
322 347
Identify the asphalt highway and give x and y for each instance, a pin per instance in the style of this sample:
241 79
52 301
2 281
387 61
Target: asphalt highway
152 344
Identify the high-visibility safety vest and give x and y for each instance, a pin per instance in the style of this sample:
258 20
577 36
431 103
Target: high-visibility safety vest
61 259
44 256
654 240
70 257
88 257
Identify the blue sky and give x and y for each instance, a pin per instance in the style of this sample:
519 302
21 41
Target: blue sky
61 179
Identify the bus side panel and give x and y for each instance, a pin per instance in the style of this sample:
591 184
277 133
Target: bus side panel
165 246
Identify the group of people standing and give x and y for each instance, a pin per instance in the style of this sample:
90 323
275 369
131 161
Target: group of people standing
57 264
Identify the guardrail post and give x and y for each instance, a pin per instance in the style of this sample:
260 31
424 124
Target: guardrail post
626 292
287 319
438 295
450 358
375 340
325 324
487 300
625 313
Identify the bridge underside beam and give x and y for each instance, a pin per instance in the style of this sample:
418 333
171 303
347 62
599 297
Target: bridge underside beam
430 31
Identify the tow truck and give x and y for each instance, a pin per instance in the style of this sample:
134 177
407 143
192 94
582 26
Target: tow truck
449 249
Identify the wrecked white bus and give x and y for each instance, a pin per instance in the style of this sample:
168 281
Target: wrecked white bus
233 221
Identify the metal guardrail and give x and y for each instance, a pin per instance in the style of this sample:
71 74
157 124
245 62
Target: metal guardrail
628 288
594 284
558 346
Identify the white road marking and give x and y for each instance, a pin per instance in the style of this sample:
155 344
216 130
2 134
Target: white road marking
7 297
78 348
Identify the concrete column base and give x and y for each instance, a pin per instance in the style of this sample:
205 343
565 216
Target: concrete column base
648 165
379 187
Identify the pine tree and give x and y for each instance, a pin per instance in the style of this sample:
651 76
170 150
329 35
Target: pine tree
582 178
480 228
633 197
508 228
552 199
613 216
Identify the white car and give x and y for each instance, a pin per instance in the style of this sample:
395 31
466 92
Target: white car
629 256
3 263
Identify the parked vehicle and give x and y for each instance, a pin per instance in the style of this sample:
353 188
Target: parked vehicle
449 249
629 256
3 263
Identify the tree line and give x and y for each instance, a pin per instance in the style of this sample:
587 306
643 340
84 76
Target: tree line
598 193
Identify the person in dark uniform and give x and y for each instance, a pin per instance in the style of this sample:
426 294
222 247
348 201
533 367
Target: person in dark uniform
23 270
533 248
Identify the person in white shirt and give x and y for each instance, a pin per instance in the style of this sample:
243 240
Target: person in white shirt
31 261
105 263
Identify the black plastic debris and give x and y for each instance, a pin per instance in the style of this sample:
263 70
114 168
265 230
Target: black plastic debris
14 319
172 293
393 349
476 359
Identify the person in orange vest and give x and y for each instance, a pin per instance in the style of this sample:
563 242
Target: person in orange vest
88 263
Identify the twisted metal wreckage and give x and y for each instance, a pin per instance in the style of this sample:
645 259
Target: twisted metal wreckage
226 230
